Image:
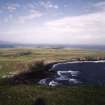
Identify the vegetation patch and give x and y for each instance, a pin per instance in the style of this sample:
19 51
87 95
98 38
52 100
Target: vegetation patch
21 89
36 71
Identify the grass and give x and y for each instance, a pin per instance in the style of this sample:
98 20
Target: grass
74 95
12 60
46 54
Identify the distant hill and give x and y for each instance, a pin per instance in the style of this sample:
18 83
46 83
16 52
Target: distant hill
6 44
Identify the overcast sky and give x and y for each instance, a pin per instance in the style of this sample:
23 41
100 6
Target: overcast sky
53 21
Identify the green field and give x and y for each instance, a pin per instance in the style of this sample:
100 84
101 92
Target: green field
17 60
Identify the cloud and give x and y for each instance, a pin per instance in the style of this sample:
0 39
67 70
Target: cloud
48 5
88 28
99 4
71 23
33 14
1 11
11 7
83 29
8 18
96 7
53 6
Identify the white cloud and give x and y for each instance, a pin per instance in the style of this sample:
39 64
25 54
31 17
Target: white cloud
99 4
10 7
96 7
53 6
33 14
6 20
1 11
84 29
9 18
48 4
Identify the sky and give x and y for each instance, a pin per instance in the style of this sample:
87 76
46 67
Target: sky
53 21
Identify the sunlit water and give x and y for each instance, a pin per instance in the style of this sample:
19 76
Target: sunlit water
75 73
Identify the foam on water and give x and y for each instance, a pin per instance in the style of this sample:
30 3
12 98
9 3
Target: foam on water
74 81
72 73
61 77
53 83
43 82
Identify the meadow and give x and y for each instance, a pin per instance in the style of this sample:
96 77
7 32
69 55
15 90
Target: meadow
18 60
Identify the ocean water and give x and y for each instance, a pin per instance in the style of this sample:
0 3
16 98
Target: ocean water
76 73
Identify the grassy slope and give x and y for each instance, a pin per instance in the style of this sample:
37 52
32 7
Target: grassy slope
46 54
28 94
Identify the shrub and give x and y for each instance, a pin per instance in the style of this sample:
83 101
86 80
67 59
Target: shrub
37 66
90 58
36 71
